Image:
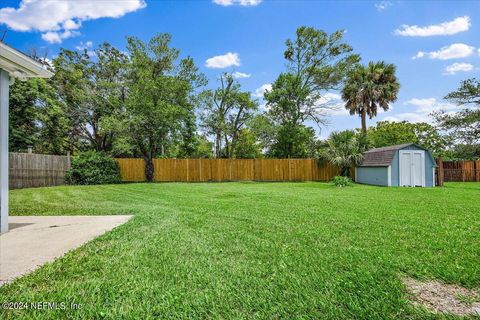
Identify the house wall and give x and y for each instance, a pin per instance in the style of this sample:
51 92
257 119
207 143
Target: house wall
372 175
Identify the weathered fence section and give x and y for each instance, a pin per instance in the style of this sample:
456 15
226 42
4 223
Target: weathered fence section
203 170
37 170
461 170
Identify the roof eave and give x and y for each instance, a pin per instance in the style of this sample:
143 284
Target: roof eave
374 165
19 65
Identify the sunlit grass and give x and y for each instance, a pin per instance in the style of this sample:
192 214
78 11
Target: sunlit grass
254 250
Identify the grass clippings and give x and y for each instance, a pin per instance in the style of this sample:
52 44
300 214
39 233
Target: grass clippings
443 298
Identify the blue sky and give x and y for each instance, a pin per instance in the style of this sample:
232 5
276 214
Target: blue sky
434 44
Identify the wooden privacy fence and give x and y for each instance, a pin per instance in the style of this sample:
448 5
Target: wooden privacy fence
202 170
461 170
37 170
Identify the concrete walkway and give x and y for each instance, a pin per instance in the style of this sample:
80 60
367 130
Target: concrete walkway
35 240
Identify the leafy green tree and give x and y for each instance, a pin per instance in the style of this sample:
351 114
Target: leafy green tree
344 149
160 97
24 98
247 146
203 148
293 141
265 131
462 151
463 126
72 71
225 113
37 117
467 94
53 126
369 88
316 63
91 91
387 133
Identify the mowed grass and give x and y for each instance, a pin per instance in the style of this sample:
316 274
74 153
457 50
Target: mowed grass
254 250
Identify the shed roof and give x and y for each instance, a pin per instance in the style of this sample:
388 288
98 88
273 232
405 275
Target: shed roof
381 157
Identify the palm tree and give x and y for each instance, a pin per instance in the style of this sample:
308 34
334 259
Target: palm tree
344 149
370 87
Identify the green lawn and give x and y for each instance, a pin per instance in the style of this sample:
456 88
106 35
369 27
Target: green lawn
254 250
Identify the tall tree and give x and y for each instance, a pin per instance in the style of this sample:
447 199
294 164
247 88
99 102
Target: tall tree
72 74
369 88
225 113
467 94
316 63
91 91
24 97
463 126
160 97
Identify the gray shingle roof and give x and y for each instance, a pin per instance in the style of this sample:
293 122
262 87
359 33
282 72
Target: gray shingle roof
381 157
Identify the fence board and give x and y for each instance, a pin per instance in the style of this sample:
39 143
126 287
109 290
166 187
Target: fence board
28 170
464 170
203 170
132 170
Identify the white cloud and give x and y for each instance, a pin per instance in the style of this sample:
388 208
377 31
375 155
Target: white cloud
244 3
458 67
423 107
227 60
457 25
453 51
58 37
57 20
382 5
259 92
240 75
71 24
408 116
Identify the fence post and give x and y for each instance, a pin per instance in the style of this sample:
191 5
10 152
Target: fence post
476 170
440 172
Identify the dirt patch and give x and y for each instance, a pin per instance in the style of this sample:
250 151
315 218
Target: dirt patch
445 298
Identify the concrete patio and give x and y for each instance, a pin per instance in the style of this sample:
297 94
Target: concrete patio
35 240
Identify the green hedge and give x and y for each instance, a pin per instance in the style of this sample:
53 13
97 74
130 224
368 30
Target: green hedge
93 168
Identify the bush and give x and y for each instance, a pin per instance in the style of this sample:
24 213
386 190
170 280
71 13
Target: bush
93 168
341 181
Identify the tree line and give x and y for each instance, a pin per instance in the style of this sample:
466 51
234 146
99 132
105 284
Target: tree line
150 102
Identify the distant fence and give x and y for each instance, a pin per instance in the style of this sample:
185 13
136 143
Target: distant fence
461 170
37 170
203 170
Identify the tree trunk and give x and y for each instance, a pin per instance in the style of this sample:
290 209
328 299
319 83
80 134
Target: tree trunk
364 120
218 145
149 169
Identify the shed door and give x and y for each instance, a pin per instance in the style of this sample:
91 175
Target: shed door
412 168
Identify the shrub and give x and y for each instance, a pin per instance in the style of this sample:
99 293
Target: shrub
93 168
341 181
